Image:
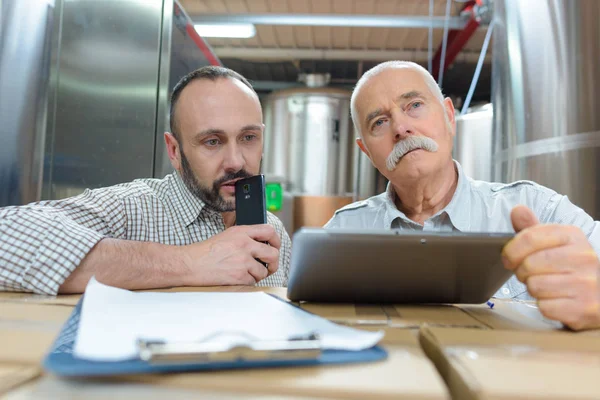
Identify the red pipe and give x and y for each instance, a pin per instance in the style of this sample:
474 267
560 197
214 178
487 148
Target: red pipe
181 17
457 39
210 56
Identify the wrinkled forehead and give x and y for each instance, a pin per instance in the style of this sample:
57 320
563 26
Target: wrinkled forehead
388 85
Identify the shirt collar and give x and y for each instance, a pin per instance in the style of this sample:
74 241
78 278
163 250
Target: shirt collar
391 211
457 210
187 205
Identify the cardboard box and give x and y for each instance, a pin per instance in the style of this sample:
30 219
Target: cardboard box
349 314
407 316
505 315
406 374
73 299
26 333
12 376
280 292
510 315
315 211
26 344
494 365
510 351
28 330
34 313
31 298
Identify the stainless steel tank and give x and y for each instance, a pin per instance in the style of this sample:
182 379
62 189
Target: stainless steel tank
545 85
309 140
473 142
368 180
309 146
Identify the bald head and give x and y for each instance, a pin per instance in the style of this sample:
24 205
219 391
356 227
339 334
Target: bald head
388 65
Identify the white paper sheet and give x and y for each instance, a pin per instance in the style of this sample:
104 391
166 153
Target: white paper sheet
113 319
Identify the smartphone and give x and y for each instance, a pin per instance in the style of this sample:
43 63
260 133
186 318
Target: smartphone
250 201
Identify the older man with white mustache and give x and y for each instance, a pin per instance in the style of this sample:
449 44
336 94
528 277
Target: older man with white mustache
406 129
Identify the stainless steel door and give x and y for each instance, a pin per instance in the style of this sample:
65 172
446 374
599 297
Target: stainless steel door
85 92
27 29
107 95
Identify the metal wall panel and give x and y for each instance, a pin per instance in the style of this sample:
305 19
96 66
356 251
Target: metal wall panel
26 32
181 53
107 94
545 84
85 92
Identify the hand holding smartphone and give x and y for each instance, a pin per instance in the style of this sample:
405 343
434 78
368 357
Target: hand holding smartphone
250 202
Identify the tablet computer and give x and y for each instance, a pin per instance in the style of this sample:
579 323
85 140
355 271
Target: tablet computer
393 266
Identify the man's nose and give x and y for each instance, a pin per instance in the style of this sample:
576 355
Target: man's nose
401 127
234 159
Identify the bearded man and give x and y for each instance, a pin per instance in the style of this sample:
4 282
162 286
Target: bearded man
151 233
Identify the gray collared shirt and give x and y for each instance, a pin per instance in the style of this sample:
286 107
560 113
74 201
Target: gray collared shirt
476 206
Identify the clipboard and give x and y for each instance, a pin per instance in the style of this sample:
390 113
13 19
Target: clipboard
161 357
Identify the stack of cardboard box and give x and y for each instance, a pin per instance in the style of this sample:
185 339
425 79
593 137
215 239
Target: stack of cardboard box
26 333
508 351
435 352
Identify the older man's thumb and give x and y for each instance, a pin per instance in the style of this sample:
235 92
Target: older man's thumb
522 217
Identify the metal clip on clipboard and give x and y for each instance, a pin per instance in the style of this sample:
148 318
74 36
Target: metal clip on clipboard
211 350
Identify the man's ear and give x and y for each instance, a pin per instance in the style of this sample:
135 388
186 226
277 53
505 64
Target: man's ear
450 113
173 150
362 147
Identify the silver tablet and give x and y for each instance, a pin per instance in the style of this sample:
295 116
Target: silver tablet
334 265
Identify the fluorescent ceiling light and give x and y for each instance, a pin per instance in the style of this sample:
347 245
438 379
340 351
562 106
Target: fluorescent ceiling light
226 30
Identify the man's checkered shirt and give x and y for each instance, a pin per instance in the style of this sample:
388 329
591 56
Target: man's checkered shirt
42 243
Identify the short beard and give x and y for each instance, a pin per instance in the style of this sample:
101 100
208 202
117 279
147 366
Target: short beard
409 144
210 196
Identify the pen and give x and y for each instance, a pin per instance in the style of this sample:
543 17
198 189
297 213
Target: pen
489 303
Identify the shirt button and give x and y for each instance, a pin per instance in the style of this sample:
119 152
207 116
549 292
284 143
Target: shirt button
505 291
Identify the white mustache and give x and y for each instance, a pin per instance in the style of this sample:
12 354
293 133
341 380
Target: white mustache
409 144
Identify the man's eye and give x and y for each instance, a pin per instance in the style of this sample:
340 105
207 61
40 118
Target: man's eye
379 122
249 138
416 104
212 142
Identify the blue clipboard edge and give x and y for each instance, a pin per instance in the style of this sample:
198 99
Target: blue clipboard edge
60 360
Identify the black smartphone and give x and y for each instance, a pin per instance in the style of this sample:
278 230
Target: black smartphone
250 201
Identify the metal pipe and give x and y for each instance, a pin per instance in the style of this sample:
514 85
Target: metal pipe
430 39
349 20
334 54
444 44
486 42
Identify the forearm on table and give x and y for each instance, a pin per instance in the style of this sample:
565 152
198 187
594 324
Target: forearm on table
129 265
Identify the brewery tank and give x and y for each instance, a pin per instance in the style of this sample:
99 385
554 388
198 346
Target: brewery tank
310 148
545 85
473 142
